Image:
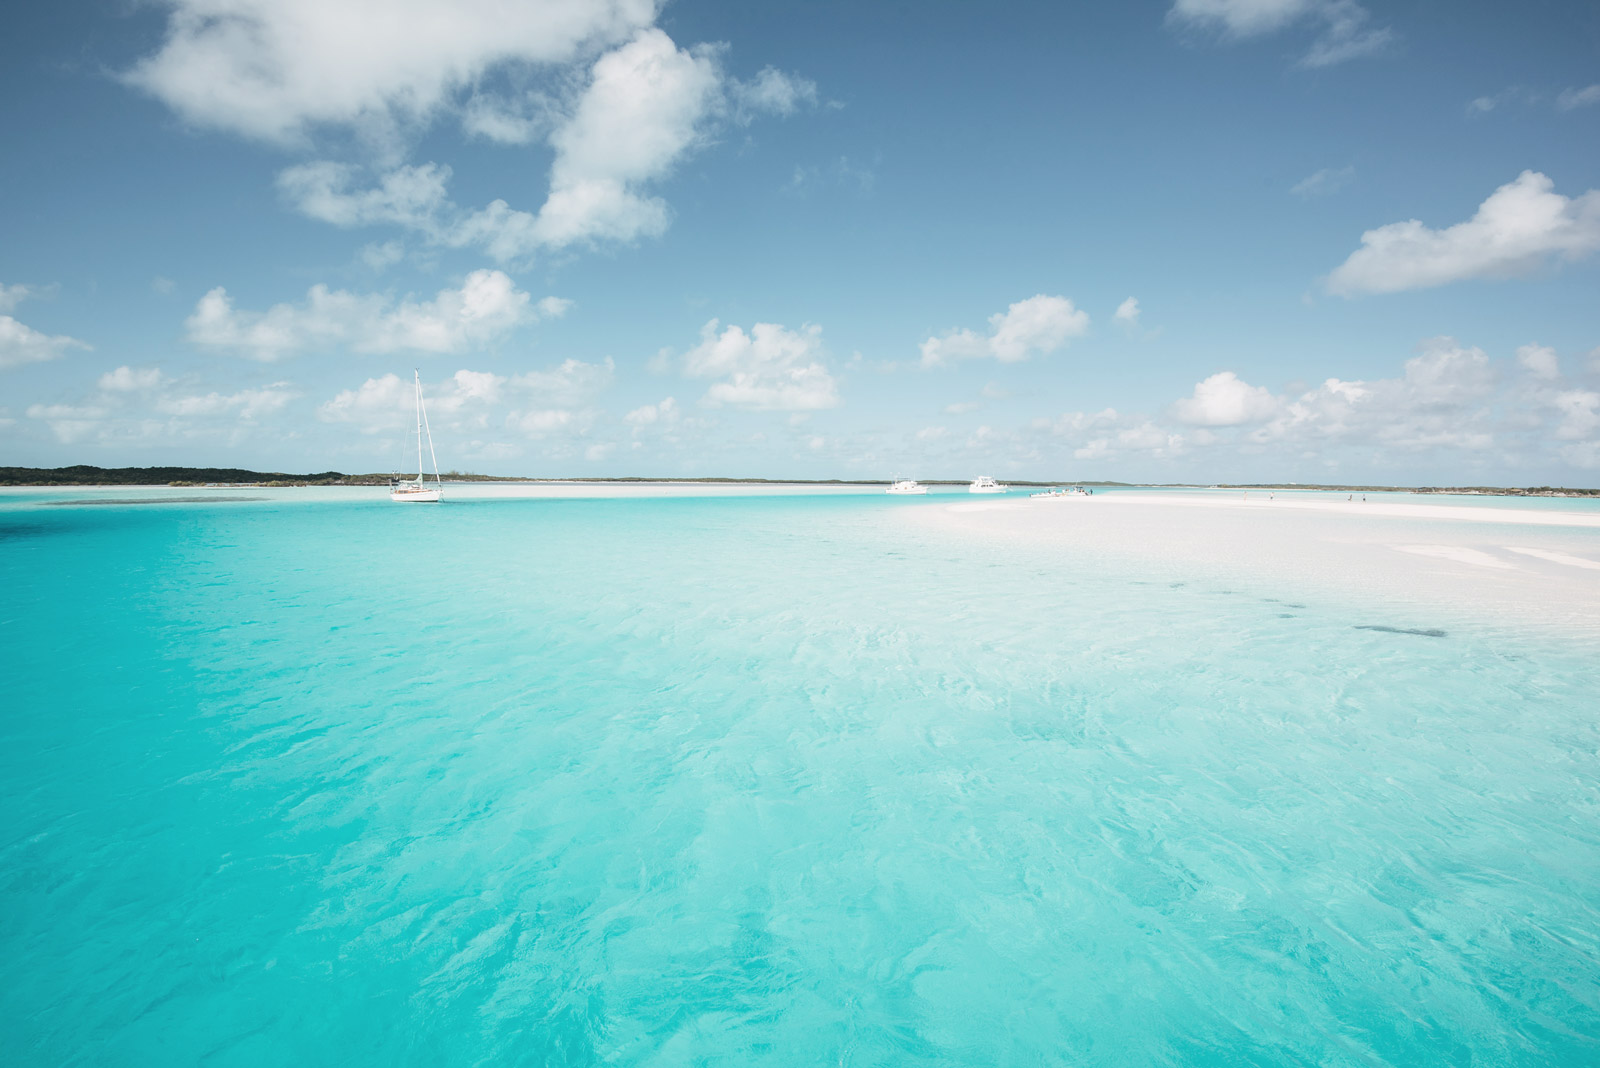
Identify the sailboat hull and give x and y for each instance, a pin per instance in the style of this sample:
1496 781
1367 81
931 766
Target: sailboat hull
415 496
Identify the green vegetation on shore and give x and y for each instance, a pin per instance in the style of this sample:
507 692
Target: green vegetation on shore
84 475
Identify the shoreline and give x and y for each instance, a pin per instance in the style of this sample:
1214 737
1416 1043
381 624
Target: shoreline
91 477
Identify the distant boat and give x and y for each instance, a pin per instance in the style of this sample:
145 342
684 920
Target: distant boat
985 484
415 490
906 486
1057 493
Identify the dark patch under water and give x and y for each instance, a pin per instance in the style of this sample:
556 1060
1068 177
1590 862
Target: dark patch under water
152 500
9 531
1430 632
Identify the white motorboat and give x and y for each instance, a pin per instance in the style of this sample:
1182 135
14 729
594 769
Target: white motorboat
416 490
985 484
906 487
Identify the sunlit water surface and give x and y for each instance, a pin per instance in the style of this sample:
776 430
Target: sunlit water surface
762 781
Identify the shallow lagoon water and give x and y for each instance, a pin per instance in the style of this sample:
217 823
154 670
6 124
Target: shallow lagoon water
764 781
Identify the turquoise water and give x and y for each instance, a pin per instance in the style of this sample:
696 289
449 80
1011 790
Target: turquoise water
762 782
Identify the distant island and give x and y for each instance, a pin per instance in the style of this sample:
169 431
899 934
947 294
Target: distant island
86 475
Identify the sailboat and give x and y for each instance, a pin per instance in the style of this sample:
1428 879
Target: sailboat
415 489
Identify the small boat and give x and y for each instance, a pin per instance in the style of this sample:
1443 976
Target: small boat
415 490
906 486
985 484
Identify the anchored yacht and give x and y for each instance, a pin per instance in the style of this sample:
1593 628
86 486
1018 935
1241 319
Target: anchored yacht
985 484
906 486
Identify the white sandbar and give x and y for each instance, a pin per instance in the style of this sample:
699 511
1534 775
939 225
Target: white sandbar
1507 564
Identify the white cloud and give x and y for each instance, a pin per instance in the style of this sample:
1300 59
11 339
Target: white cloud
1520 226
643 107
486 307
1127 312
1539 361
1325 182
1578 98
537 403
642 110
130 380
68 422
274 69
510 120
1225 399
569 383
646 415
248 404
21 344
1516 94
768 369
1441 401
1041 324
773 92
380 257
1343 29
11 296
144 405
1580 414
406 196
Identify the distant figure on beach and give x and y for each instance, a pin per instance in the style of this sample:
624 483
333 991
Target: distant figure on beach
1351 497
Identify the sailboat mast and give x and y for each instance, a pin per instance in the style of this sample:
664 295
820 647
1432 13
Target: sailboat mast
422 406
418 376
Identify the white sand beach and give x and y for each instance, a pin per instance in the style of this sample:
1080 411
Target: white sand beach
1535 563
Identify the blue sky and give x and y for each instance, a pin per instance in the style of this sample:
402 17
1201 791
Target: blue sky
1202 240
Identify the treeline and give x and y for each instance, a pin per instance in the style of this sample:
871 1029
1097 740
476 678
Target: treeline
85 475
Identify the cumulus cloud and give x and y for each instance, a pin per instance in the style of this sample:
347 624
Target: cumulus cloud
275 69
1522 225
142 404
535 404
1325 182
1343 30
11 296
644 107
21 344
244 404
1579 411
409 196
569 383
646 415
641 111
769 369
1539 361
1225 399
771 92
1039 325
131 380
1440 401
1127 312
487 306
